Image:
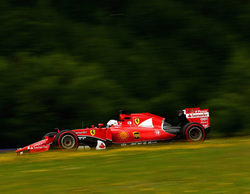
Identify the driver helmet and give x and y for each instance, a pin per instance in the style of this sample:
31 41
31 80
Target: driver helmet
112 122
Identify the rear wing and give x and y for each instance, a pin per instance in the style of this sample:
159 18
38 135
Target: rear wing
198 115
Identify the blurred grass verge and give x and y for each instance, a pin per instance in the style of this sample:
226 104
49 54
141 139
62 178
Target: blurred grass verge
215 166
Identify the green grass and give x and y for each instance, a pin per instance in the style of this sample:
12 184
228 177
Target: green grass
215 166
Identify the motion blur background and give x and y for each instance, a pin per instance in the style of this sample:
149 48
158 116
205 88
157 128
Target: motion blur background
64 62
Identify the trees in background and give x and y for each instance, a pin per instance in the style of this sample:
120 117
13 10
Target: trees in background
64 62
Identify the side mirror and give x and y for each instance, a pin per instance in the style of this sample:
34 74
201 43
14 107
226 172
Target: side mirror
100 125
56 129
180 113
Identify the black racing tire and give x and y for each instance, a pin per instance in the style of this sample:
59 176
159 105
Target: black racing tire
194 132
50 134
67 140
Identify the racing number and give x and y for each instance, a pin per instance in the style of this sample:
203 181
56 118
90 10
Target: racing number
92 132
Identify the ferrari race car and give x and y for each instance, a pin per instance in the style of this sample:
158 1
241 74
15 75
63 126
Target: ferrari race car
131 128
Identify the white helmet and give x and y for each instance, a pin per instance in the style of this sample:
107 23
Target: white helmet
112 122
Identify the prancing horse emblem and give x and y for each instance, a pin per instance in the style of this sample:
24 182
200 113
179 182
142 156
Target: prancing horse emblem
137 121
92 132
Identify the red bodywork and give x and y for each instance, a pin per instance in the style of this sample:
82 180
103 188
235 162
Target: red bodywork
139 127
131 128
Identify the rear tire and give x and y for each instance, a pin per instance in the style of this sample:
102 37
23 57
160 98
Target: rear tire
194 132
67 140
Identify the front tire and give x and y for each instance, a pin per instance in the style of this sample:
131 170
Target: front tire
194 132
67 140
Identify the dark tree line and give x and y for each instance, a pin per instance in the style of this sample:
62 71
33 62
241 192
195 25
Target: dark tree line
65 62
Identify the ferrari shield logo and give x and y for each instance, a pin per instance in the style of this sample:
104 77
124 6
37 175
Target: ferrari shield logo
136 135
137 121
92 132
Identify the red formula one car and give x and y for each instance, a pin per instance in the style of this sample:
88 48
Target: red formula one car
135 128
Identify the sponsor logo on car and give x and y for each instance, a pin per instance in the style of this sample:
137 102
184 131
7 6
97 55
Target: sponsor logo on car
123 135
157 132
197 115
82 137
81 132
136 135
